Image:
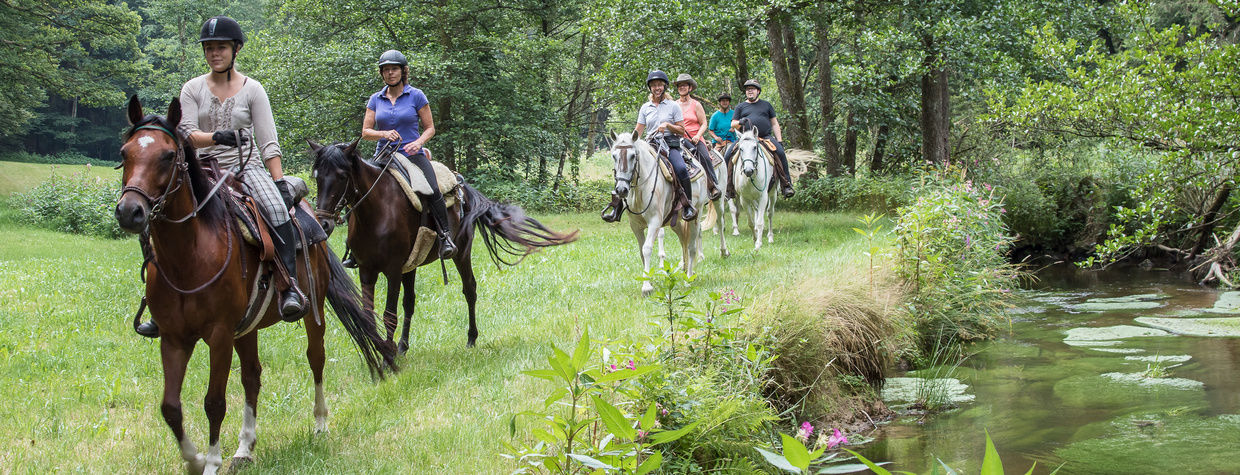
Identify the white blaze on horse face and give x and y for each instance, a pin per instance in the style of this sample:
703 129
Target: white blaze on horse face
249 433
144 141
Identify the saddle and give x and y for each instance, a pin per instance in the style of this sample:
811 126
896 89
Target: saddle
414 183
665 165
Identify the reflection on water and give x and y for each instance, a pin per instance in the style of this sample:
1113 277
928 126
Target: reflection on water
1047 401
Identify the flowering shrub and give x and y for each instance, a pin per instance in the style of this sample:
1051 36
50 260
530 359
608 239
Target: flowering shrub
77 204
950 251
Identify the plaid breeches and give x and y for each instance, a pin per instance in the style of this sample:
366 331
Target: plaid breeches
259 185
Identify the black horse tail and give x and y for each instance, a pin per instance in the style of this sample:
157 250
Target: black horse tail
509 234
346 302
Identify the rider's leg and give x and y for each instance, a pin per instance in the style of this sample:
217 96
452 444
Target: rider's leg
687 212
785 177
261 187
704 157
437 208
727 165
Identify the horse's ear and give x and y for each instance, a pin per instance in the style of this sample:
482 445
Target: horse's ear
174 112
135 110
352 147
612 134
314 146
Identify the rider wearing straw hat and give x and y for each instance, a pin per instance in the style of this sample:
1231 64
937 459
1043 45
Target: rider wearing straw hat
663 121
695 115
220 128
761 114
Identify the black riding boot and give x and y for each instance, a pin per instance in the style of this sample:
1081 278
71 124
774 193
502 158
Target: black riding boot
687 212
148 329
727 164
611 213
291 304
439 212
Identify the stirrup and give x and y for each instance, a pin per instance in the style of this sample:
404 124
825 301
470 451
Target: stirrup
349 263
292 306
447 249
148 329
611 214
688 213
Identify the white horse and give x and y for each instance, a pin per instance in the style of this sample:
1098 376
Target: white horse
708 220
648 199
754 179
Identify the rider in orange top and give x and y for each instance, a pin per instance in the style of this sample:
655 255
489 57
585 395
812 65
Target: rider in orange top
695 115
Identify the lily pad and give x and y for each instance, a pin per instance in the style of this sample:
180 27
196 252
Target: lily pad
1155 443
1131 302
1227 302
1195 326
1122 351
1092 343
908 389
1117 332
1141 379
1160 358
1096 391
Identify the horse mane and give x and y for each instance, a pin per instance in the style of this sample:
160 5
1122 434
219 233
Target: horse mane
200 183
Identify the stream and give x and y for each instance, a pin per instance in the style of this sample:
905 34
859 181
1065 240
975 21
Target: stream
1117 371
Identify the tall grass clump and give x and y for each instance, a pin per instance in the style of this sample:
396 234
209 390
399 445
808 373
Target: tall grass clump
950 252
847 193
76 203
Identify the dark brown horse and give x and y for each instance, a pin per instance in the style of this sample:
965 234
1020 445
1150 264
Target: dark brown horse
383 229
199 277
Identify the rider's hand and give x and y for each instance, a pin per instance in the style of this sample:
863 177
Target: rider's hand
227 138
412 148
391 136
662 127
286 192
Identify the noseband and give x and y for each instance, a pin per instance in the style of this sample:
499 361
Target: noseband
179 170
628 177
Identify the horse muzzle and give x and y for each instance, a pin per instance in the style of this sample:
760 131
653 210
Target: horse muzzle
132 214
748 170
622 188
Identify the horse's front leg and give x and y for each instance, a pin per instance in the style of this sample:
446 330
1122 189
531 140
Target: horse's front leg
214 404
719 229
174 356
645 239
662 252
369 277
251 380
410 302
770 218
759 221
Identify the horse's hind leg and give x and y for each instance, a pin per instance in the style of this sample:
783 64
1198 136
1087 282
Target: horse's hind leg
251 376
410 302
390 318
214 404
317 356
469 287
770 219
662 252
174 355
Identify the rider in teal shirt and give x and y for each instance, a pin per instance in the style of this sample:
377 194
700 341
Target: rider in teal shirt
721 121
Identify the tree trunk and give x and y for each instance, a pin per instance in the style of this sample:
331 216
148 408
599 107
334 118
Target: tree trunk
826 102
935 116
850 143
880 148
1207 220
786 84
742 61
798 122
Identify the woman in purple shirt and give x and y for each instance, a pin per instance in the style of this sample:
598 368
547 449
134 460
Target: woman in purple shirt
400 113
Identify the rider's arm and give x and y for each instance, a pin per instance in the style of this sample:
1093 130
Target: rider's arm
369 132
677 128
775 128
637 130
424 118
701 130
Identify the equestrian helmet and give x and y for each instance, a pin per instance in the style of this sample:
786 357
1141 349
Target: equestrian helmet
754 83
657 74
221 28
724 96
392 57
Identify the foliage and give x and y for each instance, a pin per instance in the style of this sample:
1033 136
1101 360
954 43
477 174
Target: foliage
992 464
862 193
64 158
950 252
77 204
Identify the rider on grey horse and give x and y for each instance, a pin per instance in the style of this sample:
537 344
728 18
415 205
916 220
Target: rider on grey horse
761 114
663 121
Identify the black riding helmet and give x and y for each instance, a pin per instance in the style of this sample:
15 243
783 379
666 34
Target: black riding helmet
221 28
724 96
657 74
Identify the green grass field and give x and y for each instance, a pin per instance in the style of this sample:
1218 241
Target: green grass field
16 176
81 391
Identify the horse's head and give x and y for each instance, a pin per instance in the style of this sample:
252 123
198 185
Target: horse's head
150 158
333 173
747 147
624 150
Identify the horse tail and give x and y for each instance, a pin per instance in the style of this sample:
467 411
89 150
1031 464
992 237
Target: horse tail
346 302
505 229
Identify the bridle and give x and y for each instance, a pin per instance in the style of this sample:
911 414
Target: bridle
180 171
335 213
757 152
628 178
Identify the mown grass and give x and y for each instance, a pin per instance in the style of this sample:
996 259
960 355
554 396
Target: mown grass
81 391
18 177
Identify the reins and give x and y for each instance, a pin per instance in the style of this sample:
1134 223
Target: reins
385 152
638 177
767 181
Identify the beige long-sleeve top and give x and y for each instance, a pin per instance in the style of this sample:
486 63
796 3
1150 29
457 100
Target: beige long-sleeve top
249 110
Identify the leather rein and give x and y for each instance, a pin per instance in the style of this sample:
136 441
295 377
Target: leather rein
635 175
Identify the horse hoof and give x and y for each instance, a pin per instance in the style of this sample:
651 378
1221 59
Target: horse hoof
402 348
320 428
239 463
736 233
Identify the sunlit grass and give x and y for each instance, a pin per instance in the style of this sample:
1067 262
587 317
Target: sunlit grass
81 391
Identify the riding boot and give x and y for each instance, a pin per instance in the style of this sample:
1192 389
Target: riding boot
148 329
731 187
439 212
785 181
687 212
712 188
349 262
611 213
291 304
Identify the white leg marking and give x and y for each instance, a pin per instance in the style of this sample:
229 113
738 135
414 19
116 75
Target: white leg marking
214 461
320 410
249 434
193 460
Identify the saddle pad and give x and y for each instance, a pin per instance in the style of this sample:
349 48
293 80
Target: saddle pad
417 184
695 172
767 144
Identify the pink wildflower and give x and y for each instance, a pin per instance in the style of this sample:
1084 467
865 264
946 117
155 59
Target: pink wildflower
632 365
805 431
836 439
611 367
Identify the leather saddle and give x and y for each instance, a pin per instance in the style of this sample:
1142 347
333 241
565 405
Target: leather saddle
687 153
253 225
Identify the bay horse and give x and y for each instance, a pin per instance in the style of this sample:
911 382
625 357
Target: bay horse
754 179
636 169
384 227
195 244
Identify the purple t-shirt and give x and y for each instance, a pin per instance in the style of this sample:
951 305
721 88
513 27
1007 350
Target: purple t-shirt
401 116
